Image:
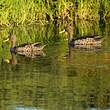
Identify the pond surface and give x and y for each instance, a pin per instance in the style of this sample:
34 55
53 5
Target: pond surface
62 79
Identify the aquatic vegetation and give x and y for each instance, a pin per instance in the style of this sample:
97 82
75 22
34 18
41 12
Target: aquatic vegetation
33 11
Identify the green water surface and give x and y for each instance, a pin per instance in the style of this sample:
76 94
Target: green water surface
62 79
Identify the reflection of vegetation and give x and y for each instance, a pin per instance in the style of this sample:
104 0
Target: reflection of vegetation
56 81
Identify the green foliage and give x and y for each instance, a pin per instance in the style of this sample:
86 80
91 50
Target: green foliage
15 12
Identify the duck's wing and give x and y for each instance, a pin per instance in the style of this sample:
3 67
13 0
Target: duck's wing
99 38
23 45
88 36
37 44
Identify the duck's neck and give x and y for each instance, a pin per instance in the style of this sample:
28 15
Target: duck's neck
71 30
70 36
13 44
13 58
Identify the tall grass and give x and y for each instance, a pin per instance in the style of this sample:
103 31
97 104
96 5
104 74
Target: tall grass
88 9
16 12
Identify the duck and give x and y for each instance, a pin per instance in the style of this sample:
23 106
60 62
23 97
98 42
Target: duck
83 41
32 48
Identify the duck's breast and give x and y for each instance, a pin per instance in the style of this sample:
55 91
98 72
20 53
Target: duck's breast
13 50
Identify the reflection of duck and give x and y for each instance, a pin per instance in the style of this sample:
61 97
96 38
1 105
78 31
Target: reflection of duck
93 40
13 59
25 49
88 47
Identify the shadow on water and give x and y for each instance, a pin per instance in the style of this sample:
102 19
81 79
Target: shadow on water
65 79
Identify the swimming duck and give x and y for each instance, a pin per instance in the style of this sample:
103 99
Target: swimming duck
93 40
24 48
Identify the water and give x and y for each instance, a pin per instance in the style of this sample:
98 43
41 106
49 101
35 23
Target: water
62 79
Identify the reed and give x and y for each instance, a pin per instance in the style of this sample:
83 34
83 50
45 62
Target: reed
17 12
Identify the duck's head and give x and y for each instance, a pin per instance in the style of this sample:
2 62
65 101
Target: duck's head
12 38
68 29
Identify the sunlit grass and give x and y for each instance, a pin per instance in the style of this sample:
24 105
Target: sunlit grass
17 12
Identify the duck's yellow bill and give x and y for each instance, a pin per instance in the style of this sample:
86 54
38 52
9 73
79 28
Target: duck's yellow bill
62 31
6 40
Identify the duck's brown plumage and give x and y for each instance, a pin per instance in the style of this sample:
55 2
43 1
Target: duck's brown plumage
83 40
24 48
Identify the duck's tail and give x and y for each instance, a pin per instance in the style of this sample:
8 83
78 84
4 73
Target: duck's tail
40 48
99 39
43 46
38 45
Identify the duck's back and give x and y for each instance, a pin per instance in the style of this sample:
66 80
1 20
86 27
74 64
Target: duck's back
95 40
29 47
